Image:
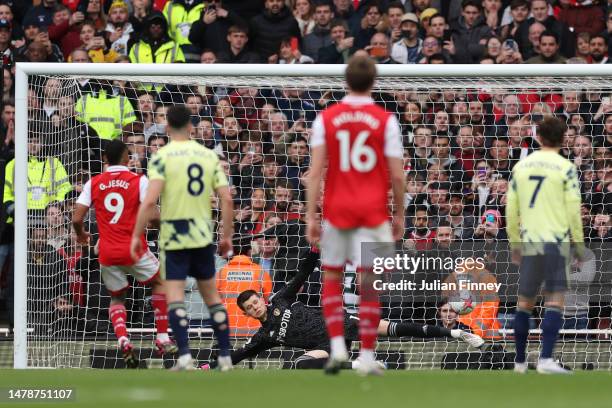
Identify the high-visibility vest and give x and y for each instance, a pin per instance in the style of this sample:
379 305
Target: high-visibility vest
483 320
241 274
107 116
167 53
47 182
180 20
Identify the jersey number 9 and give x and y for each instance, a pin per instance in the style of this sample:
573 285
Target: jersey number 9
113 203
195 172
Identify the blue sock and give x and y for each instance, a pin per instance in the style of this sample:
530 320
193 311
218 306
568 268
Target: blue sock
177 316
521 331
553 320
218 315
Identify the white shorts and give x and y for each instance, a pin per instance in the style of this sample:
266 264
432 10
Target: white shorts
115 276
339 246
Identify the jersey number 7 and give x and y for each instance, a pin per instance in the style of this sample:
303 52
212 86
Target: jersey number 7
539 180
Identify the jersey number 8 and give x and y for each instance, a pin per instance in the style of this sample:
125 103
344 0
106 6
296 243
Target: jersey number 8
359 156
195 172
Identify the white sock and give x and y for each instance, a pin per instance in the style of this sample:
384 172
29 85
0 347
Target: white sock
367 356
185 359
456 333
163 337
122 340
338 345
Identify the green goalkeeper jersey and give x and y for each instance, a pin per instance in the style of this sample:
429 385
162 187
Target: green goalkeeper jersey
191 173
544 203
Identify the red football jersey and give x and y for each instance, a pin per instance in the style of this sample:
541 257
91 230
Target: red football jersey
359 137
116 195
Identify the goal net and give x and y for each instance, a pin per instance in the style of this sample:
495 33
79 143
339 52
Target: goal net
463 130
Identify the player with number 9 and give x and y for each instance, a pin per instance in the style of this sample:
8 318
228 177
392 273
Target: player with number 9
116 195
185 175
361 145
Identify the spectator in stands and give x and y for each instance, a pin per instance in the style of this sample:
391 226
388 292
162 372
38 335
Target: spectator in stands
582 16
250 218
205 133
532 47
145 106
55 222
548 50
230 141
499 158
469 149
438 197
339 50
95 45
44 266
65 30
437 26
461 221
289 54
179 16
297 161
140 10
272 25
583 49
95 14
304 13
7 14
320 35
211 31
420 236
468 32
105 112
491 227
395 11
539 13
370 24
441 156
154 45
208 57
241 274
47 179
432 49
119 30
237 37
43 13
582 153
519 11
407 50
267 247
598 50
380 49
421 151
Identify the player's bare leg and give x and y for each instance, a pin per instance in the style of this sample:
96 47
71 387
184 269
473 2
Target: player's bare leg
218 316
334 318
163 343
177 316
118 317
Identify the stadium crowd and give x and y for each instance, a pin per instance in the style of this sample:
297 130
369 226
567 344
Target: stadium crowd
459 145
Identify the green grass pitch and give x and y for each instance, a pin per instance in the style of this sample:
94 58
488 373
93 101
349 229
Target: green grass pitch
312 389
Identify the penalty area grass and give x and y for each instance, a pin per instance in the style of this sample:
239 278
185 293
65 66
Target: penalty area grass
313 389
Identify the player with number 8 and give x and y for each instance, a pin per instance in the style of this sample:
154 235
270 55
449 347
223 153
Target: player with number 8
115 195
185 175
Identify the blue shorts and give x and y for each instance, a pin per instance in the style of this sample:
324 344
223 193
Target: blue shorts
550 268
196 262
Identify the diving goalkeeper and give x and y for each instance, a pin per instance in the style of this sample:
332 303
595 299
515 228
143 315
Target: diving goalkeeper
289 323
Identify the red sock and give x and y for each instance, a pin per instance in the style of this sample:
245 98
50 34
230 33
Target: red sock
118 316
160 309
369 309
332 304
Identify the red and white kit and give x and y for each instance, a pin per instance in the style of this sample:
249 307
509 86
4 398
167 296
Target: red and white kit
359 136
116 195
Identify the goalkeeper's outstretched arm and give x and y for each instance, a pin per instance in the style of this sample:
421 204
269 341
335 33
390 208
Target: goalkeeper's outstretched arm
307 266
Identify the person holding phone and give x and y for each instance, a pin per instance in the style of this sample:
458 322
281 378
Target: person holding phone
408 48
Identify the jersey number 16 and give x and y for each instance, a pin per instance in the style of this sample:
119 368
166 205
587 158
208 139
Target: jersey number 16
359 156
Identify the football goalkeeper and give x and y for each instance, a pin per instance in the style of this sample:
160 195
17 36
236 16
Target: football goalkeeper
286 322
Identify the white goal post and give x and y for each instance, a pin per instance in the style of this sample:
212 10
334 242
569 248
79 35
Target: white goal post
392 78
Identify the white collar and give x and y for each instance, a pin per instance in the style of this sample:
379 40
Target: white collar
357 100
116 168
